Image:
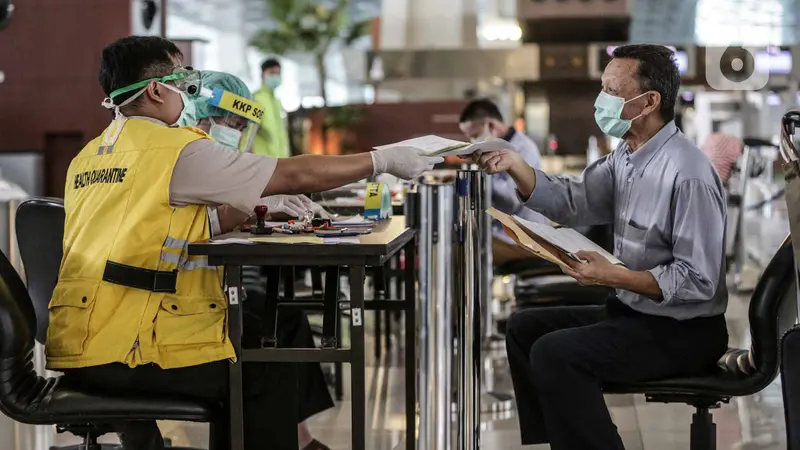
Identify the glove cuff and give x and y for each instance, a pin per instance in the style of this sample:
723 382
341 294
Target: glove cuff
379 163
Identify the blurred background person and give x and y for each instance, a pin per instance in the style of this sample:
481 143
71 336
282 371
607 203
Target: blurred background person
723 150
272 138
481 120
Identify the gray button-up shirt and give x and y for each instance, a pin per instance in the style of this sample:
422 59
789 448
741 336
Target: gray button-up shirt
668 209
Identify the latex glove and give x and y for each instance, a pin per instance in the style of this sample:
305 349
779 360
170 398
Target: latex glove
288 204
402 162
313 207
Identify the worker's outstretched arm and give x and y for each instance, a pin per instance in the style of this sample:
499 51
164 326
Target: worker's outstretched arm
208 173
315 173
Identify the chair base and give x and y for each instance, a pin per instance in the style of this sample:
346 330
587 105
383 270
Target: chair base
89 447
703 434
111 447
703 431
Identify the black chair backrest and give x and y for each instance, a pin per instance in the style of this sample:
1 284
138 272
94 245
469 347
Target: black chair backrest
773 311
20 387
40 236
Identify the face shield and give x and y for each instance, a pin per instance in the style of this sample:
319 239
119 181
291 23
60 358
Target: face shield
242 122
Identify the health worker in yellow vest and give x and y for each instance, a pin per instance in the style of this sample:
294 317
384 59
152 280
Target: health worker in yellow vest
231 127
132 311
228 126
272 138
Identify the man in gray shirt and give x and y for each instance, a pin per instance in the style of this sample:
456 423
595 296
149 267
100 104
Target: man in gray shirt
666 203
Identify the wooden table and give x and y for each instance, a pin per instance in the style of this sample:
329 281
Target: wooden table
374 250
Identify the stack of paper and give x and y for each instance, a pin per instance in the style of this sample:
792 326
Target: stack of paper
439 146
555 244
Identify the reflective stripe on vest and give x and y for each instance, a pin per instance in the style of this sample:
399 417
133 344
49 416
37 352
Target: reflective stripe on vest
184 263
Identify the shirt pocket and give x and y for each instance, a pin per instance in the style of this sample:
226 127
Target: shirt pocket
70 311
635 235
191 320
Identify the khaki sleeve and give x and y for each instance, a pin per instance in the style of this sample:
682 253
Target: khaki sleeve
208 173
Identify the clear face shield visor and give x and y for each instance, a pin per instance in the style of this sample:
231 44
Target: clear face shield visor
237 129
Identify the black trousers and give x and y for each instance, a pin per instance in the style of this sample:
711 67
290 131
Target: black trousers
277 396
560 357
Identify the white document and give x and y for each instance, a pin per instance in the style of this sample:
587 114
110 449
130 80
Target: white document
566 239
344 240
439 146
357 220
233 241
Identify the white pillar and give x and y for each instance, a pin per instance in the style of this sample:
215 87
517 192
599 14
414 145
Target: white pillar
394 19
428 24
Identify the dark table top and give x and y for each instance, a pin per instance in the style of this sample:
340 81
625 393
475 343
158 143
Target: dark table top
373 249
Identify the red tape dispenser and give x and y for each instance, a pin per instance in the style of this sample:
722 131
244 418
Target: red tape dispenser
261 217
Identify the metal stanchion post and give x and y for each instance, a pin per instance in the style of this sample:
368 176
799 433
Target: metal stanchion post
468 287
435 312
491 401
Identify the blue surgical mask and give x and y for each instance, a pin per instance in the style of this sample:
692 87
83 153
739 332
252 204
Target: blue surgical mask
272 80
226 136
608 114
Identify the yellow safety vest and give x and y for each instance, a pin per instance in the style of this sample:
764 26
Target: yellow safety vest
117 211
272 138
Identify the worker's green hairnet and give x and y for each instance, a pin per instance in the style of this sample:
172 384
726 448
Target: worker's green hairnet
219 80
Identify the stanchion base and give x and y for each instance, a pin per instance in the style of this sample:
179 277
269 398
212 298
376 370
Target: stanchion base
496 402
494 342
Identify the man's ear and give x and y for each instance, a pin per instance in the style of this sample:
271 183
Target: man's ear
155 92
653 102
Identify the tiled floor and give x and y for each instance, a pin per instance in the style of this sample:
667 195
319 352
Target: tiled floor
747 423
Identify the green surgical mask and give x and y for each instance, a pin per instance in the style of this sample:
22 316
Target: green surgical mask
272 81
226 136
608 114
188 116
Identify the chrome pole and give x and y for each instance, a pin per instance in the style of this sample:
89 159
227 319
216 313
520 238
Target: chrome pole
485 238
435 309
469 289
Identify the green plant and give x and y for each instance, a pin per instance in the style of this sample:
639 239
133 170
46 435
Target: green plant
345 118
309 26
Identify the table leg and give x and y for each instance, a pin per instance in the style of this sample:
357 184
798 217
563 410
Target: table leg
330 307
357 361
379 285
411 345
270 336
233 281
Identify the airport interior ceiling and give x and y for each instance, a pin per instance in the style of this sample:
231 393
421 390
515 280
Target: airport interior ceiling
702 22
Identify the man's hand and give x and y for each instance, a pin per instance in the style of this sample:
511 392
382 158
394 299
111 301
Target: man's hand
291 205
497 161
597 270
403 162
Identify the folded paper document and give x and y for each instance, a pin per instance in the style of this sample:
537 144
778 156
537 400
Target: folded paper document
555 244
439 146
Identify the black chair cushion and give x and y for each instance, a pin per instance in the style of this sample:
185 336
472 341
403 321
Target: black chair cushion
37 400
719 383
527 267
552 288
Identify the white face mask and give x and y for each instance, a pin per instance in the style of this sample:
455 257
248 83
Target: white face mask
486 135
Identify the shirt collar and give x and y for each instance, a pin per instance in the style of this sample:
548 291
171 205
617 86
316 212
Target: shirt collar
510 134
639 158
149 119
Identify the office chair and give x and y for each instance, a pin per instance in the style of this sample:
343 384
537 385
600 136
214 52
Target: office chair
772 312
29 398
